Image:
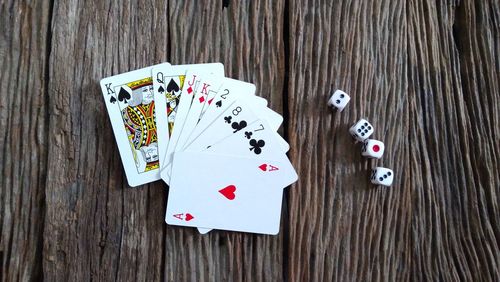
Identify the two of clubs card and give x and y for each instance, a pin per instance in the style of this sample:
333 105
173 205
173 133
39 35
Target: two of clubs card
209 137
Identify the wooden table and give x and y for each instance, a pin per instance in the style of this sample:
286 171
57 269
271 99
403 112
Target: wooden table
425 73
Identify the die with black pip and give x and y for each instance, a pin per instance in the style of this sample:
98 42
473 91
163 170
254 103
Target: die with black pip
361 130
339 100
382 176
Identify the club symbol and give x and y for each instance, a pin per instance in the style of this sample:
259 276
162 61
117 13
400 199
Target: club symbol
248 134
218 104
112 100
257 146
228 119
238 126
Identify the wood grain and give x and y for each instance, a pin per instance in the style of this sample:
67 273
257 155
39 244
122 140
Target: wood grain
96 227
339 222
426 76
24 138
425 73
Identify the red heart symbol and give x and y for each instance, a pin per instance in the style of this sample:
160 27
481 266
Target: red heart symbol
189 217
228 192
263 167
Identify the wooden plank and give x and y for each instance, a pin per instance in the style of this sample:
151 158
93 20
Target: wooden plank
101 225
341 228
96 227
415 70
246 37
425 73
455 97
23 141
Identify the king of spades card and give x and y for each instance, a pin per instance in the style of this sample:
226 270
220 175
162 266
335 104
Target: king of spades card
137 110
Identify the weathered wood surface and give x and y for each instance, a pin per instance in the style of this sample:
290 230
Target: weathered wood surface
426 73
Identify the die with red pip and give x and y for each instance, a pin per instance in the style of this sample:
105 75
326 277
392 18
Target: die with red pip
373 148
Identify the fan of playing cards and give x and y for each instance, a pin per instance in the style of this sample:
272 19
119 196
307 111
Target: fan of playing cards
209 138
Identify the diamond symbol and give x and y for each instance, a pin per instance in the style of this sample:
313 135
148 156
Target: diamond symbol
202 99
190 90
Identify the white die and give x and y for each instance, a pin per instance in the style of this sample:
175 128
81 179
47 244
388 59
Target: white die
361 130
382 176
373 148
339 100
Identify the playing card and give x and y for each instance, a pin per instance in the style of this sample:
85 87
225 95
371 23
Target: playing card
192 82
130 103
257 141
231 89
208 85
168 81
233 119
243 196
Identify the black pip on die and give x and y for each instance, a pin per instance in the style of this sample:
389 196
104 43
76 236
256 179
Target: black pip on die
361 130
382 176
339 100
373 149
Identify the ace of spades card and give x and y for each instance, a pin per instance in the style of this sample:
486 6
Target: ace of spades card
131 107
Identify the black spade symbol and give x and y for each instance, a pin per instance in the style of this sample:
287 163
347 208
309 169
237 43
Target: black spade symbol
161 89
112 100
218 104
172 86
123 95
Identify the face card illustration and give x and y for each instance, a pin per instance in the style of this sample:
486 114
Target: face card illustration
168 82
136 103
131 107
244 197
170 86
